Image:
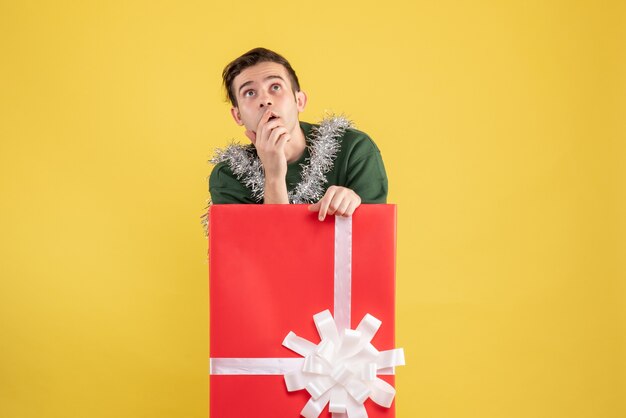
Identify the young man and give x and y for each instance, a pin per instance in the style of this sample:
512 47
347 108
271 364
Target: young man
331 166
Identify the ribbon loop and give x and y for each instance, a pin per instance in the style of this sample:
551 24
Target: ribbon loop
314 407
298 344
326 327
368 372
315 365
356 410
358 390
382 393
351 343
318 387
338 401
390 358
295 380
368 327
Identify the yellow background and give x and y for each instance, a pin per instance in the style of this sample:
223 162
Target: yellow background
502 129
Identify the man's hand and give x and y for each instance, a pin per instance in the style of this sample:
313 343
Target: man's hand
338 201
269 140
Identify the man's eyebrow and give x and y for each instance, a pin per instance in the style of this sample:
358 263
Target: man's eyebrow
269 77
245 84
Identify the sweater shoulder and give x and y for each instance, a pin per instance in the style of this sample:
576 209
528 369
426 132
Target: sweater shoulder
219 171
358 143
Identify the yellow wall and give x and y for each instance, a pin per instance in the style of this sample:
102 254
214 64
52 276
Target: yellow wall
502 129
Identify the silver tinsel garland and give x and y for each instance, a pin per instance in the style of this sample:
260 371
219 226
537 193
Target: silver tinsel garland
323 147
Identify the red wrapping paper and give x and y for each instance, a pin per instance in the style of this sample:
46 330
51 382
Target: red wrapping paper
271 270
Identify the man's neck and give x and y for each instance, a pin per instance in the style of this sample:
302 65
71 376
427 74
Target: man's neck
296 146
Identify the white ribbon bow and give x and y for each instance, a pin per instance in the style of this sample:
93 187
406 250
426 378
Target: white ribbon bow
341 369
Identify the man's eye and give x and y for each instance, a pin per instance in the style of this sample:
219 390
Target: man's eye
248 93
276 87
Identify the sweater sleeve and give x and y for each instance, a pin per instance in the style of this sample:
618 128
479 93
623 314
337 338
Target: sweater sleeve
225 188
366 173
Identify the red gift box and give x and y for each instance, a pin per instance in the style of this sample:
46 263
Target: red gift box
272 268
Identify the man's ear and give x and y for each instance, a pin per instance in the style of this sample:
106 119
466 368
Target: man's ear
301 100
236 115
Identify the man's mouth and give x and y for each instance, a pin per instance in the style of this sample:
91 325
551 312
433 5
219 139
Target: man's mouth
272 118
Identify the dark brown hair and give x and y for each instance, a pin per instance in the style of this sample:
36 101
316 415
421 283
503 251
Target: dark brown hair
250 58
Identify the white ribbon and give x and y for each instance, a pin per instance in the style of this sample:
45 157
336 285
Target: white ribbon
343 271
341 370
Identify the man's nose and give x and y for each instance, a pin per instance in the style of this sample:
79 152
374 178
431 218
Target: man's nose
265 101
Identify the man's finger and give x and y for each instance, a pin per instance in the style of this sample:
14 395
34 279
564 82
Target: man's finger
343 207
341 195
276 134
270 127
266 117
332 205
282 141
351 208
325 202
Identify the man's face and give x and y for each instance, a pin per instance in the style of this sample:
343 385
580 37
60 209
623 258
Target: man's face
263 86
